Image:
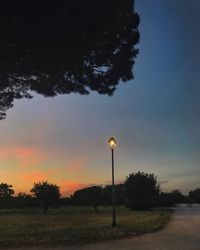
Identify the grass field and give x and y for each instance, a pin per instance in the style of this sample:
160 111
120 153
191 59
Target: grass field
74 225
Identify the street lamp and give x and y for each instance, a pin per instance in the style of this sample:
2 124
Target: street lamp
112 143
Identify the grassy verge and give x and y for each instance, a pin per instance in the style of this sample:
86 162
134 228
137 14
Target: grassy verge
75 225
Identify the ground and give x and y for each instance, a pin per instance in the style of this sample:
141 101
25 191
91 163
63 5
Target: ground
182 233
74 225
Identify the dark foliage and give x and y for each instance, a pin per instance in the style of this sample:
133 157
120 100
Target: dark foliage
170 199
20 201
58 47
88 196
177 197
47 193
194 195
6 190
65 201
6 195
23 200
119 194
141 191
165 200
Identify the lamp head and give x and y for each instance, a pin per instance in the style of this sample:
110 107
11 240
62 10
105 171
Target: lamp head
112 142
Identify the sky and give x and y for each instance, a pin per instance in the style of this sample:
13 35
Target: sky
154 118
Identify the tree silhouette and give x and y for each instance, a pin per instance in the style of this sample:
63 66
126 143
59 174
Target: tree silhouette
6 190
46 192
170 199
22 195
177 196
165 200
119 194
141 190
88 196
59 47
194 195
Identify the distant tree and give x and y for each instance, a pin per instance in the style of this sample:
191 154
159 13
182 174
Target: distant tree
107 195
23 200
141 191
194 195
47 193
65 201
6 190
94 193
119 194
165 200
80 197
88 196
177 196
23 195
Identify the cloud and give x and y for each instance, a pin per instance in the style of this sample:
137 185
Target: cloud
34 176
24 156
77 165
162 183
186 174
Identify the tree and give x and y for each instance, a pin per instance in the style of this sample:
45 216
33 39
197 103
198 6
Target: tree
194 195
6 195
22 195
23 200
47 193
165 200
141 191
119 194
6 190
88 196
60 47
177 196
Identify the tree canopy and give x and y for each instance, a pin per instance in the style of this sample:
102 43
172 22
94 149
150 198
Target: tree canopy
46 192
194 195
88 196
6 190
66 46
141 190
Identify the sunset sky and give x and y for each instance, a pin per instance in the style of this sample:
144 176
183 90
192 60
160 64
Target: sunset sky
155 118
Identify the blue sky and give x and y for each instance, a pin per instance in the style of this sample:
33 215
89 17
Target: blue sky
155 117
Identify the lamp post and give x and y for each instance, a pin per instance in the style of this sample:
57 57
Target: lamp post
112 143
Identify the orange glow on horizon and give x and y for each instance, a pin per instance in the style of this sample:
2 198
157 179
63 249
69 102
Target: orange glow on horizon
24 166
69 187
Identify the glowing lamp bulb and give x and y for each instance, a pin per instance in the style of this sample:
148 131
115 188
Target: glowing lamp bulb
112 142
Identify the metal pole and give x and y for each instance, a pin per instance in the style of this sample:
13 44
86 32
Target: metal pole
113 192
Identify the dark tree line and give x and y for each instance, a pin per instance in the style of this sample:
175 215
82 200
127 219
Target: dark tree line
140 191
66 46
194 196
97 195
43 194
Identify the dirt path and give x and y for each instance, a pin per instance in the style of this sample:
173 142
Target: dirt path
182 233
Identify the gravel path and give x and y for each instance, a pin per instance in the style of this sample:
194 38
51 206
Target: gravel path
182 233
